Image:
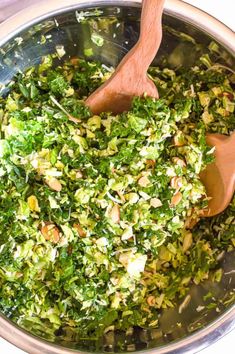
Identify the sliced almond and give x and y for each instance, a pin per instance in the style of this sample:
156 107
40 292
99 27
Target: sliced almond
115 214
79 175
179 162
151 301
176 182
150 163
155 203
80 230
179 139
143 181
176 199
50 232
54 184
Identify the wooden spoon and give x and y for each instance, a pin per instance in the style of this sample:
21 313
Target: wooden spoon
219 177
130 78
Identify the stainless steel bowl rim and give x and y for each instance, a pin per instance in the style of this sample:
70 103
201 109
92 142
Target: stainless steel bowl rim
45 9
177 8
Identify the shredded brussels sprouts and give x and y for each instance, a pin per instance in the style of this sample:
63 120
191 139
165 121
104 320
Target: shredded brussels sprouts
97 212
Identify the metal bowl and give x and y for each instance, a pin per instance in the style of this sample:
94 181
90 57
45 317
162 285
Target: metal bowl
37 31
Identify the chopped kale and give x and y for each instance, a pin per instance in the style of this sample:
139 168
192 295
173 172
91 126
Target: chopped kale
96 216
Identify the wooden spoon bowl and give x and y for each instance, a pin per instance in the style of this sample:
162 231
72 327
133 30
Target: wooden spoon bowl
219 177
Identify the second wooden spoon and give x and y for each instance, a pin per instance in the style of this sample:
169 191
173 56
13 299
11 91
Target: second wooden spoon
219 177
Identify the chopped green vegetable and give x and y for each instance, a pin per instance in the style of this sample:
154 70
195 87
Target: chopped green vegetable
96 214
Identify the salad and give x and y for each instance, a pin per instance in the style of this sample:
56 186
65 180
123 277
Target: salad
100 215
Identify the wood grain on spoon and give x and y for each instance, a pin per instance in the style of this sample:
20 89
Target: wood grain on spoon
130 78
219 177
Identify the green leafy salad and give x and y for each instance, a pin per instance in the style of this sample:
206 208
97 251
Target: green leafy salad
98 213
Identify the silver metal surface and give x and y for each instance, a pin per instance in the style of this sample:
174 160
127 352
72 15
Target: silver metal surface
56 21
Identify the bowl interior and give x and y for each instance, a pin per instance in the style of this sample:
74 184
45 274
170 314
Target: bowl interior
182 44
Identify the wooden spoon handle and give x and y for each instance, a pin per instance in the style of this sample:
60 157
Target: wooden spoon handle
150 31
130 78
139 58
